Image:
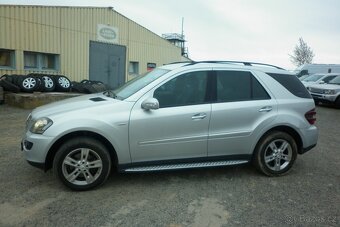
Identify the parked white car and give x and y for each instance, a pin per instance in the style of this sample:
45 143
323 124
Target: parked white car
319 78
327 93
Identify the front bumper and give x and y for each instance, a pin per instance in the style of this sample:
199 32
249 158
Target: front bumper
324 98
35 148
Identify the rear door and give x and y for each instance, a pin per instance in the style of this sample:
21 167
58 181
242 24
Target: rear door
241 108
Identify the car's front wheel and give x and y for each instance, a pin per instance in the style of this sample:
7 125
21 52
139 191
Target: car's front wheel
82 163
275 154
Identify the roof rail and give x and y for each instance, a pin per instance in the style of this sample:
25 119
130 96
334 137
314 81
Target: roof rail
236 62
178 62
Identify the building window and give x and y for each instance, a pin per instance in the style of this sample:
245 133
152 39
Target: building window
41 61
133 68
7 59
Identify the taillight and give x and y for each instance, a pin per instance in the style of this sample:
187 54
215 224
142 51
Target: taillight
311 116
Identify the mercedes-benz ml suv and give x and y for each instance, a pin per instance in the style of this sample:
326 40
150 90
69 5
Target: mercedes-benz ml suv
181 115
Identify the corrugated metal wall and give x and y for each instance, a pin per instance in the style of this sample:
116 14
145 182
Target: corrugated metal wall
67 31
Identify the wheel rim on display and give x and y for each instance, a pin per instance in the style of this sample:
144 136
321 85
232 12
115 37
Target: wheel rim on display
82 166
278 155
65 83
48 82
29 83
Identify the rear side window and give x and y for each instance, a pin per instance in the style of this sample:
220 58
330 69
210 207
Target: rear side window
233 86
292 84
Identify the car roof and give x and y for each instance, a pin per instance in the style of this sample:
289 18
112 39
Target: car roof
327 74
227 64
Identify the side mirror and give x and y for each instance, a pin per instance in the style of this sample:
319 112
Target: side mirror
150 104
322 82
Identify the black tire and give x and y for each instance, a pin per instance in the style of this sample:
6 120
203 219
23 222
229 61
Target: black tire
275 153
88 88
99 87
48 83
8 86
40 84
28 83
77 87
68 161
6 77
85 81
63 84
16 79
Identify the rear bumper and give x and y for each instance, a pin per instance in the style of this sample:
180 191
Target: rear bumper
309 138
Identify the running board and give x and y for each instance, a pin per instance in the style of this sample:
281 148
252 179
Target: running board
185 166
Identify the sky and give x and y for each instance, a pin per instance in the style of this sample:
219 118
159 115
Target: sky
265 31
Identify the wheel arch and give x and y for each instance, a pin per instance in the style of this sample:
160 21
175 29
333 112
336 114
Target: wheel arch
55 147
287 129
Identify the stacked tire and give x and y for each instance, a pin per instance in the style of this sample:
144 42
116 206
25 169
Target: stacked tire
8 83
35 82
89 87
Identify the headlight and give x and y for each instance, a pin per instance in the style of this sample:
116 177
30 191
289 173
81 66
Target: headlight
28 122
329 92
40 125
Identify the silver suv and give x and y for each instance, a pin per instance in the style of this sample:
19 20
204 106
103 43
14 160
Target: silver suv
327 93
181 115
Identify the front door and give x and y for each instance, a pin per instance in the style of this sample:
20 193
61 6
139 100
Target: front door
179 128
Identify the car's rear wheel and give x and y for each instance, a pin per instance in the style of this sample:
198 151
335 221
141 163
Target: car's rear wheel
275 154
82 163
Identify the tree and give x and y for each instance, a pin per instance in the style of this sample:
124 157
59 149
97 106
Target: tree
302 54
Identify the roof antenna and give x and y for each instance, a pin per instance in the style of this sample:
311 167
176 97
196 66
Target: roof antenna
182 27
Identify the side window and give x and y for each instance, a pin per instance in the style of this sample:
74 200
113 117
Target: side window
292 84
186 89
235 86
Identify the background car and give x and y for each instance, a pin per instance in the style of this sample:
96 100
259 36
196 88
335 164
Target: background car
319 78
327 93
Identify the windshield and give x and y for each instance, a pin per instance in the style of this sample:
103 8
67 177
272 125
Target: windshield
138 83
303 77
336 80
312 78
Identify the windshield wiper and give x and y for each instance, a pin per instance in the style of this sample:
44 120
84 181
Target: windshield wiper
110 94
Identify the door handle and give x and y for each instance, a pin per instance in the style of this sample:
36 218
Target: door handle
266 109
199 116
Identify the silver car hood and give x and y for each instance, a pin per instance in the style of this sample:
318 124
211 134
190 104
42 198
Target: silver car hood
72 104
326 86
